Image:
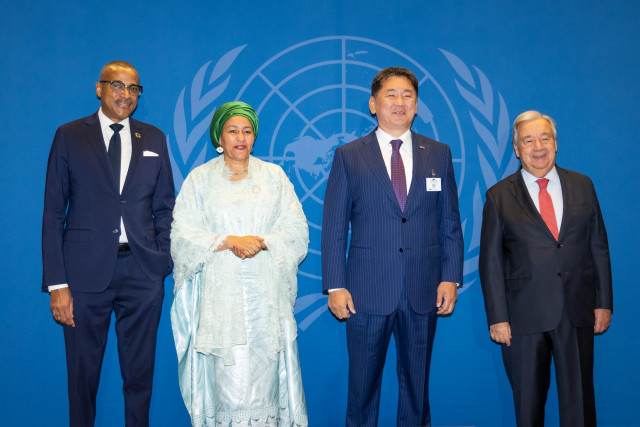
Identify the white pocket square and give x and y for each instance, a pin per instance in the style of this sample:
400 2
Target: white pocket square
146 153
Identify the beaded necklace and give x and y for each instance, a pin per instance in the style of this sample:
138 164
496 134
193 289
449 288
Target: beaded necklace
228 173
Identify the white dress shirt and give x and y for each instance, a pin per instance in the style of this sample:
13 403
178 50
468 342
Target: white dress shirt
554 188
125 153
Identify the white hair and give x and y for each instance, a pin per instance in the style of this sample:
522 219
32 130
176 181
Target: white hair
528 116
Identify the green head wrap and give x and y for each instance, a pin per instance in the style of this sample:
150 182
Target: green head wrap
225 112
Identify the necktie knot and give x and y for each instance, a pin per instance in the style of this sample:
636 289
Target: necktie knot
117 127
542 183
395 144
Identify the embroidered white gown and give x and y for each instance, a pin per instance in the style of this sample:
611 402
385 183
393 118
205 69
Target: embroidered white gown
232 319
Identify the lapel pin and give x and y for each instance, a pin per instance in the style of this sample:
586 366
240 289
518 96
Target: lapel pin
433 173
421 147
137 134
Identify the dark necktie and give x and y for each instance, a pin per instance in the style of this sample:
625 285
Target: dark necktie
546 207
114 152
398 178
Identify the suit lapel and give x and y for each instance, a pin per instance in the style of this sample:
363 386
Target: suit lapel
136 150
373 157
420 162
521 194
96 141
567 193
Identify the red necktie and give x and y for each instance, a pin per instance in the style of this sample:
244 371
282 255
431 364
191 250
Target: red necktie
546 207
398 178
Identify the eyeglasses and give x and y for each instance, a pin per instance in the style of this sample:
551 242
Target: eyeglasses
545 139
118 87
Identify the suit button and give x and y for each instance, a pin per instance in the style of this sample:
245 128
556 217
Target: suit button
404 220
115 231
401 250
559 274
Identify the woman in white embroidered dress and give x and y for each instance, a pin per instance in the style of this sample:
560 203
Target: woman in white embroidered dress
238 236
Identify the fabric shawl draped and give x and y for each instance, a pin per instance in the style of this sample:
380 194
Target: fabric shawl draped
207 314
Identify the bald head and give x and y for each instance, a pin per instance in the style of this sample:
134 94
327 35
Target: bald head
115 65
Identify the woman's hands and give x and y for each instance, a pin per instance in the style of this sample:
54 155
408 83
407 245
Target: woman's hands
244 246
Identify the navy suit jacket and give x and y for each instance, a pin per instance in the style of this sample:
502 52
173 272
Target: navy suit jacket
83 206
528 277
389 249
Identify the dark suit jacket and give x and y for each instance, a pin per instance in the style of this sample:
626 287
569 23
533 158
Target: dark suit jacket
389 249
527 276
83 205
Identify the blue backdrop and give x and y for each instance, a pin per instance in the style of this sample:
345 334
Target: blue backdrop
306 67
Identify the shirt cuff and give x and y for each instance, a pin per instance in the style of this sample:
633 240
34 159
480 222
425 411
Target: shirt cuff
55 287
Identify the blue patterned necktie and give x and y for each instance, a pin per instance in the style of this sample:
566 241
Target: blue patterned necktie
114 151
398 178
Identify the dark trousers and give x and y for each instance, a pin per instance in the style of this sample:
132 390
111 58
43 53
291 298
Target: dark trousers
368 338
528 365
137 304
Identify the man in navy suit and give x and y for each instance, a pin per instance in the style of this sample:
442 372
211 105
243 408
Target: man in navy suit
397 190
105 242
546 276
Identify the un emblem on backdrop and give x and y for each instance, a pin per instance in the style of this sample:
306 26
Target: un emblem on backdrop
313 97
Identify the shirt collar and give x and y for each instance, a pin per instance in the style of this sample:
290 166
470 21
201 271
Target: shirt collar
552 176
105 121
384 138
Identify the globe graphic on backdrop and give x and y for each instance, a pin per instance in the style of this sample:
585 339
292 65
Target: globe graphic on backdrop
308 111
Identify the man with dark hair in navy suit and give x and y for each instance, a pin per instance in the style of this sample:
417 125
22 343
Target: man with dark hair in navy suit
105 242
397 190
